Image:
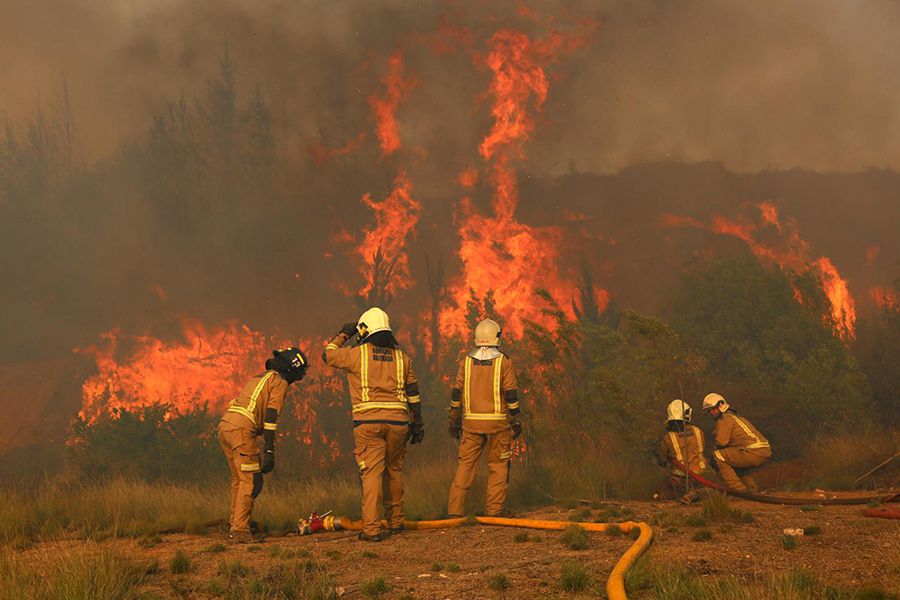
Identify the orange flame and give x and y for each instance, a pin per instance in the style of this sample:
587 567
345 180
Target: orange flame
498 252
384 109
788 250
209 366
395 219
321 153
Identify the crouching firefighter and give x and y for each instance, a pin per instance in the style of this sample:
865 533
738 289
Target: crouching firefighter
682 447
254 413
484 413
739 445
387 413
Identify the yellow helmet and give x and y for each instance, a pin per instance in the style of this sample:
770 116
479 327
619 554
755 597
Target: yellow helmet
714 400
487 333
373 321
678 410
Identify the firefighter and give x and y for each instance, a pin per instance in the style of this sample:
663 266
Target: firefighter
484 413
254 413
387 413
739 445
681 445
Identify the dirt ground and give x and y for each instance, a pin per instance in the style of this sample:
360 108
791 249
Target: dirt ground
850 551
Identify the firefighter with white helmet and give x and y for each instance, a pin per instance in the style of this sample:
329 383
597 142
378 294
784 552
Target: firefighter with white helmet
681 447
253 413
484 414
384 393
739 445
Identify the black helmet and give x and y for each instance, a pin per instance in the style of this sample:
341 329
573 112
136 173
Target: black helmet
291 363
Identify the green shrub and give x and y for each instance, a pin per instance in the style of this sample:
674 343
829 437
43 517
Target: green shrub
788 542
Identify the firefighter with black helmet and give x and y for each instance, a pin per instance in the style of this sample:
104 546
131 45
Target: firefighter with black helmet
253 413
484 414
384 393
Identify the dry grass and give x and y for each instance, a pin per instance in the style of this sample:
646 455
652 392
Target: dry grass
662 582
836 459
71 574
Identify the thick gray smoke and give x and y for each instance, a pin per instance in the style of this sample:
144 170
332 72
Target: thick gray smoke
811 84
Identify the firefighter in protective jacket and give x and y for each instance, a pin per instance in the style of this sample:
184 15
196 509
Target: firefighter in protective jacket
387 413
254 413
739 445
681 446
484 413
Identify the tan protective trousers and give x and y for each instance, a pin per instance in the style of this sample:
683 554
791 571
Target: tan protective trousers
242 453
731 463
471 446
380 451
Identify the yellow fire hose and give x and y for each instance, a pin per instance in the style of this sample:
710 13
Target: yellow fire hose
615 585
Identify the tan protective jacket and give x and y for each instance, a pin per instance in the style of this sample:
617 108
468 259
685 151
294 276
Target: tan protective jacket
733 431
483 389
684 447
382 381
248 410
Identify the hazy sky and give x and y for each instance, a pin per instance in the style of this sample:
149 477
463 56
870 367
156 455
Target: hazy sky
813 84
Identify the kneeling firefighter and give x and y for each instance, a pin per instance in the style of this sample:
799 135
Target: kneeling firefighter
682 445
387 413
739 445
484 413
254 413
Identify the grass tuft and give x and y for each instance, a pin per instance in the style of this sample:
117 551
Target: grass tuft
521 537
788 542
704 535
574 537
499 582
180 563
374 587
573 578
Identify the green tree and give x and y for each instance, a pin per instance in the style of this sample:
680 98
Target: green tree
771 347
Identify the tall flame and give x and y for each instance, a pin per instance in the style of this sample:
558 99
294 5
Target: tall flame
498 252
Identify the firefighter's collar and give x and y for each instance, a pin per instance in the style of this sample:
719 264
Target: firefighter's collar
485 353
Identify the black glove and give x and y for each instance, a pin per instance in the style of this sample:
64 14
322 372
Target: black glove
268 462
349 329
516 429
455 429
418 433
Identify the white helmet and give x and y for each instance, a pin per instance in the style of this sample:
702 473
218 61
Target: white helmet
678 410
487 333
373 321
714 400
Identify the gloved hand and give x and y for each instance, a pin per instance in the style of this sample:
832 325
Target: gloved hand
516 427
349 329
418 433
267 464
455 417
